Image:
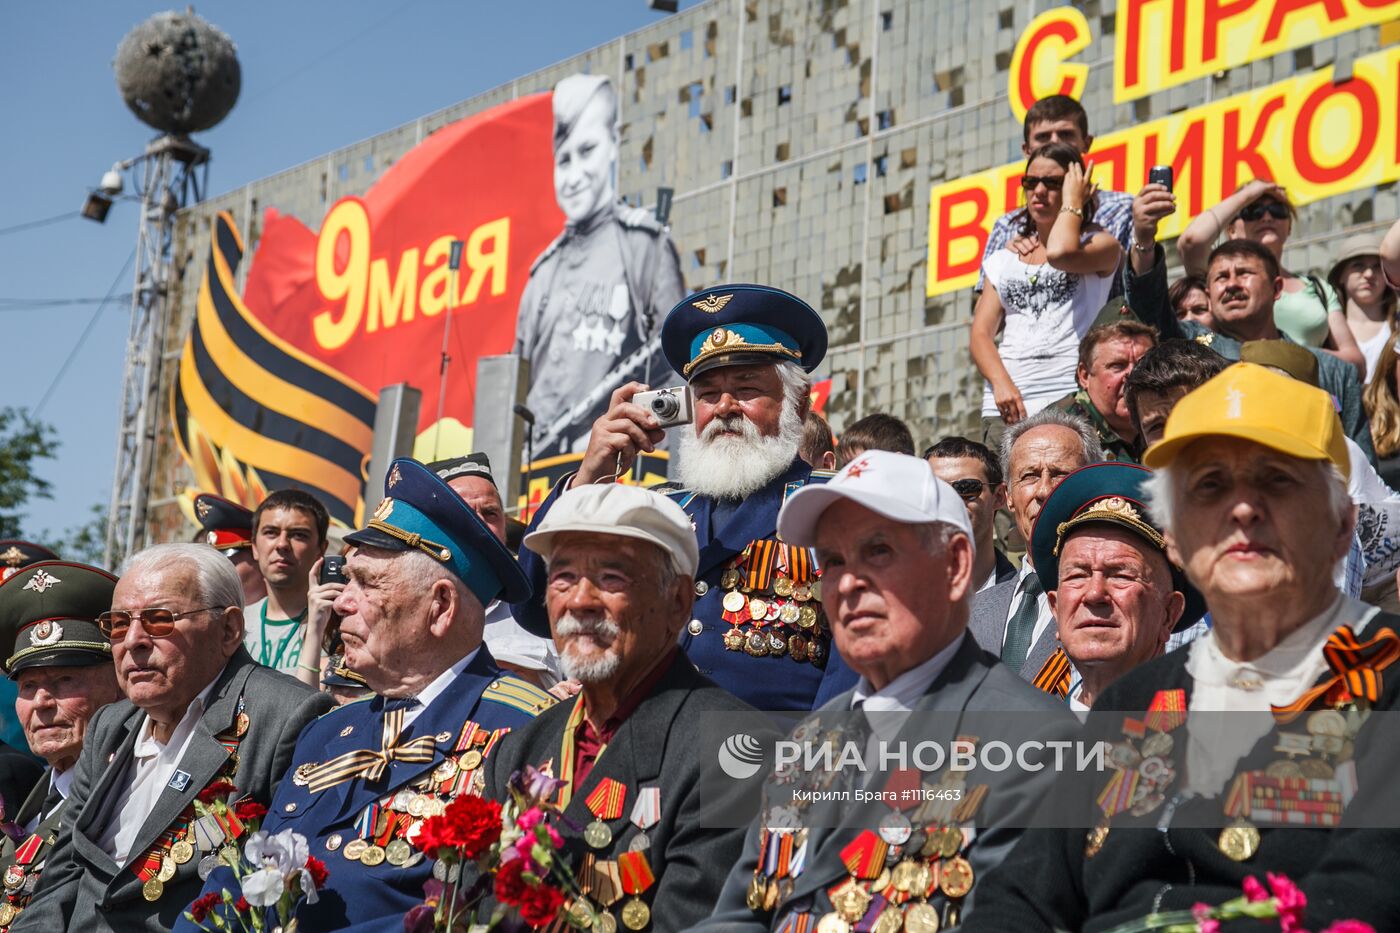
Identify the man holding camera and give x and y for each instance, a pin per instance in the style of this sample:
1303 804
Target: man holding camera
758 628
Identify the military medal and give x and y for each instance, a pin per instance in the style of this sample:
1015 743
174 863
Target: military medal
354 849
645 814
605 803
921 918
832 923
207 866
470 761
7 914
372 855
167 869
581 913
14 878
955 880
597 834
152 889
241 724
397 853
637 876
783 586
733 601
895 828
1239 841
729 580
182 852
891 920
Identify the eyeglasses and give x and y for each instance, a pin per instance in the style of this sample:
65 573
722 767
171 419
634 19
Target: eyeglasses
157 623
1255 211
1051 182
969 489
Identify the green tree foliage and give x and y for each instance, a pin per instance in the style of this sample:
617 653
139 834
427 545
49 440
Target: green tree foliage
23 441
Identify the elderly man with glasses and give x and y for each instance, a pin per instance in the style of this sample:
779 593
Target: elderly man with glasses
199 711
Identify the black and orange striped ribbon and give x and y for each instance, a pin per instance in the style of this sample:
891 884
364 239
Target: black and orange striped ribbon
761 560
1356 671
1054 675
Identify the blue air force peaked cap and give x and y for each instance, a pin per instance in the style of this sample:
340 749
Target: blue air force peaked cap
1108 493
420 512
731 324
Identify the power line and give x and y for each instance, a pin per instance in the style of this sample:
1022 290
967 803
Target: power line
27 304
82 338
69 215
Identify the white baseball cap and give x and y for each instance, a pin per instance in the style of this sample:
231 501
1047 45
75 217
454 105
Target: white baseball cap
897 486
625 511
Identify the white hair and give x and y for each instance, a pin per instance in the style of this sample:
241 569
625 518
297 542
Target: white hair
216 580
418 572
727 467
1161 488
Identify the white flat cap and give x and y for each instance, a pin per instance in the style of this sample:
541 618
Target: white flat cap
897 486
625 511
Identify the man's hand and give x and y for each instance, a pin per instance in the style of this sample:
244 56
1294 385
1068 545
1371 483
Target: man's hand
566 689
1153 203
624 431
319 598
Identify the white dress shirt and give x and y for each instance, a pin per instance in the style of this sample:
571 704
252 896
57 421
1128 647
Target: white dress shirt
438 687
1043 617
1249 689
151 769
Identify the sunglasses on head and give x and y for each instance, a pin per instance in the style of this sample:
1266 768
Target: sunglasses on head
1274 209
968 489
157 623
1051 182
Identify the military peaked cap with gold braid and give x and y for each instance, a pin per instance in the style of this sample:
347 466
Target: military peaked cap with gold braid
225 525
1103 494
48 616
732 324
420 512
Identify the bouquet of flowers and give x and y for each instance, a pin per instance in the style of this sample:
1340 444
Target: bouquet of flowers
275 872
514 849
1281 900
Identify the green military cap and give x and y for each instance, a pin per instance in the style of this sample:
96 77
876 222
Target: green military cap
48 614
1287 357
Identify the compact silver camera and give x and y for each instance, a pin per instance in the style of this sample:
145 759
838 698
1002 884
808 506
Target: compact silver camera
669 407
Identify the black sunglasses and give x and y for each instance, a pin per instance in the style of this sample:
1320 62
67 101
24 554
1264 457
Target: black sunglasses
968 489
1051 182
1274 209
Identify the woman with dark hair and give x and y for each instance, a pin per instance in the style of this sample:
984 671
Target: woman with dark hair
1045 288
1190 300
1357 279
1307 311
1382 402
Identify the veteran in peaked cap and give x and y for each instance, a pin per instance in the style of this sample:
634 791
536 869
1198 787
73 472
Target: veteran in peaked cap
1105 631
16 554
731 324
63 664
228 527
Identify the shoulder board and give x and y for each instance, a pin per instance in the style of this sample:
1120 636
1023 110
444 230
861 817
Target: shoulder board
639 218
519 694
817 478
344 706
548 251
821 476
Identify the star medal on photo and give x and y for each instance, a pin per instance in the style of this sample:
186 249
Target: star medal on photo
605 803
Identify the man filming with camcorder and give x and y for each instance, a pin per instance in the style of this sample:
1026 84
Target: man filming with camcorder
746 352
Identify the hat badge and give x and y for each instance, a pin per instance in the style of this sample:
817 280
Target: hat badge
12 556
395 477
856 469
720 337
41 581
45 633
1234 404
212 537
713 304
202 509
382 510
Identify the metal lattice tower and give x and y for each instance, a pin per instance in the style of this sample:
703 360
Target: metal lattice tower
172 174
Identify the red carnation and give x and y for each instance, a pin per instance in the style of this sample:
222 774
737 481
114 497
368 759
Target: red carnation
241 905
510 887
216 790
541 905
472 824
318 871
250 809
200 908
431 836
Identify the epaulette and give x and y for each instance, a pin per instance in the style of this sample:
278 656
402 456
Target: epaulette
639 218
344 706
548 251
821 476
519 694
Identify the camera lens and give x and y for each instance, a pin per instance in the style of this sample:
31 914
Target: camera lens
665 406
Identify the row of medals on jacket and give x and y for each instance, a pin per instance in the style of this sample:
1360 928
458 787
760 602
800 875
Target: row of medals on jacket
790 603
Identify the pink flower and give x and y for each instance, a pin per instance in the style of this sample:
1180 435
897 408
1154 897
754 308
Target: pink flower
1253 890
527 821
1208 926
555 839
1201 911
1350 926
1291 902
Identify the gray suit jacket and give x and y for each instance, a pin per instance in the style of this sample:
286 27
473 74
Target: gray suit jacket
973 682
82 888
991 610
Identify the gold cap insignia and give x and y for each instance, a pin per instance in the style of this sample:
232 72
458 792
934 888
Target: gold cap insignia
395 477
12 556
713 304
45 633
382 510
202 508
41 581
720 337
1114 509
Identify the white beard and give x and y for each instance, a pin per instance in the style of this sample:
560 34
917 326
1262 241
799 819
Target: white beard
724 466
595 668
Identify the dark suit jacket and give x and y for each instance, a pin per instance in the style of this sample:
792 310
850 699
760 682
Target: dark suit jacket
991 610
973 682
82 888
46 830
766 683
1147 296
19 774
1346 873
657 746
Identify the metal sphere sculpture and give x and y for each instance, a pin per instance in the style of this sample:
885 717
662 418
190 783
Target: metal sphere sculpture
178 73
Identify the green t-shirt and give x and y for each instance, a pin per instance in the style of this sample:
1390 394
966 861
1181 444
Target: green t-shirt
1302 315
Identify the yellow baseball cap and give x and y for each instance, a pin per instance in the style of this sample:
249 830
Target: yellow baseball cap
1256 404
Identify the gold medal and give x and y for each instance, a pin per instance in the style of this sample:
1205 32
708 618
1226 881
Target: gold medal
783 587
921 918
581 912
833 923
372 856
417 805
955 880
182 852
1158 745
1327 722
229 856
797 647
802 592
733 601
950 841
354 849
333 842
167 868
891 920
7 914
903 875
636 914
1316 769
14 878
1239 841
754 898
729 580
851 901
1094 841
153 889
606 923
806 617
445 771
597 834
397 853
758 608
241 725
470 761
789 614
1283 770
734 640
756 645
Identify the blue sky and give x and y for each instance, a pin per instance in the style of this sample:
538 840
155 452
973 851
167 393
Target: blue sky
317 75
